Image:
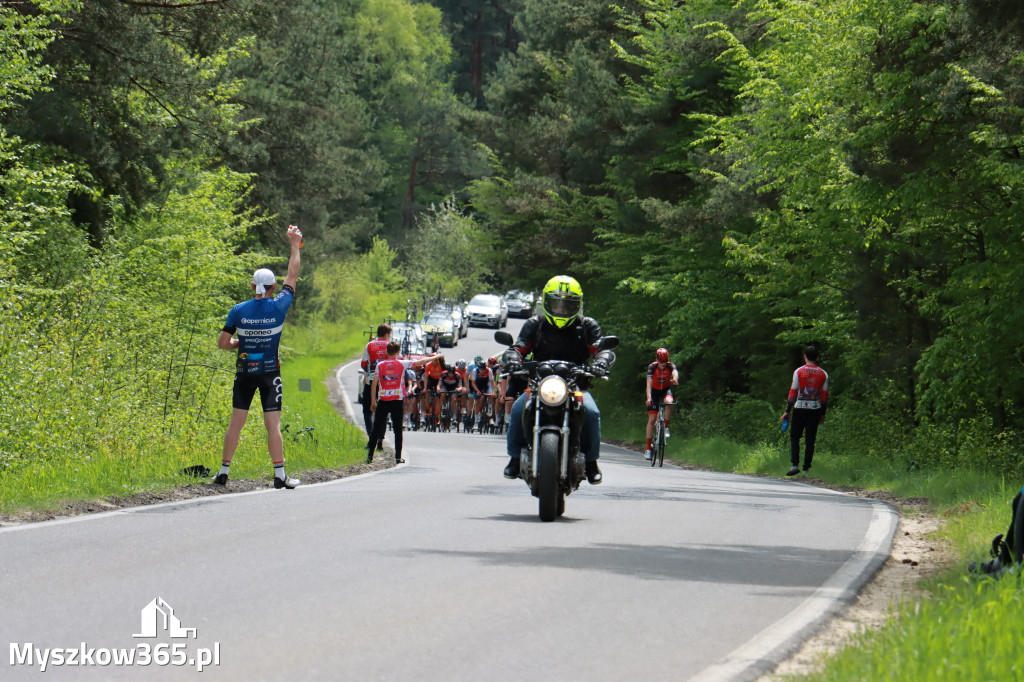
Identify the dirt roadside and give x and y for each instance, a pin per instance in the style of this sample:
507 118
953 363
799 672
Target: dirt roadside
917 553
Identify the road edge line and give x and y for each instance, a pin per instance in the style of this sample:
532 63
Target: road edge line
763 653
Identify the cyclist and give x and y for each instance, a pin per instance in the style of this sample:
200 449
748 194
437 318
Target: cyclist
561 332
495 368
509 388
410 396
662 375
450 383
480 386
432 372
463 372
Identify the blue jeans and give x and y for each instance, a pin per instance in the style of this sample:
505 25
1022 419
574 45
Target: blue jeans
590 436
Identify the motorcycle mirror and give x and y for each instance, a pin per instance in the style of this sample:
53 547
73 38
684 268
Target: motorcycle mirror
608 343
504 338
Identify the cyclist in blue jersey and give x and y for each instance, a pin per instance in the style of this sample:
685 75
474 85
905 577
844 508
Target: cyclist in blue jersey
258 324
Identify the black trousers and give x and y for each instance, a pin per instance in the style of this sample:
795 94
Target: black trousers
385 408
803 423
367 415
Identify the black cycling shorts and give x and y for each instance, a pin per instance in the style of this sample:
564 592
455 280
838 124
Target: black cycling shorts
269 386
482 385
449 388
657 397
432 384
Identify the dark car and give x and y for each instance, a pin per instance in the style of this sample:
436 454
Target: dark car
520 304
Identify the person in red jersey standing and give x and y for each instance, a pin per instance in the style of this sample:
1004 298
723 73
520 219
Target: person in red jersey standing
805 409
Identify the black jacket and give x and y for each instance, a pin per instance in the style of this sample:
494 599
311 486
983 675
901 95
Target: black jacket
575 343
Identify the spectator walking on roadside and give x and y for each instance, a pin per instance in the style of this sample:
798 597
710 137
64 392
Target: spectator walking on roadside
805 409
374 352
389 385
258 324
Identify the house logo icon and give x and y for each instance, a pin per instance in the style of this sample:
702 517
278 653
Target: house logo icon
157 616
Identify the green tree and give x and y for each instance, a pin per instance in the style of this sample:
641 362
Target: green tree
129 91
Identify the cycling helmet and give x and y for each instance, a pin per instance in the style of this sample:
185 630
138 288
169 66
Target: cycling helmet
662 355
461 364
562 300
492 361
478 360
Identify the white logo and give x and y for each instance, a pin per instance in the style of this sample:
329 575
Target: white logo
158 614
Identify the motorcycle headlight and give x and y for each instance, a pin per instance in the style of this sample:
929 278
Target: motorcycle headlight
552 391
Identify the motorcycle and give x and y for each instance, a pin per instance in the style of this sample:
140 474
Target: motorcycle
552 464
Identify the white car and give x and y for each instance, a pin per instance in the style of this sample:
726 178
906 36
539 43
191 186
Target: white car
487 310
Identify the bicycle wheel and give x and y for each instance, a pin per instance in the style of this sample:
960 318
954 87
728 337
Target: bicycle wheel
661 443
654 442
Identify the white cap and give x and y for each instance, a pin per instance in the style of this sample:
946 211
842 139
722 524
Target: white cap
263 278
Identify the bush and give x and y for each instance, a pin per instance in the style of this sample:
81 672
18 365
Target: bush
739 418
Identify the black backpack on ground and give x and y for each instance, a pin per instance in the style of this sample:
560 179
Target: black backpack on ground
1007 549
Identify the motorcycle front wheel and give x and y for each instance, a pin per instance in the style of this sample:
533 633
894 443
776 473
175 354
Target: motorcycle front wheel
548 490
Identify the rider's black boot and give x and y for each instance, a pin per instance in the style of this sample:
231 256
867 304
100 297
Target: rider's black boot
593 472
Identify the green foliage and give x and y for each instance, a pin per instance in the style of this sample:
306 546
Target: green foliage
969 631
120 358
131 90
363 287
448 251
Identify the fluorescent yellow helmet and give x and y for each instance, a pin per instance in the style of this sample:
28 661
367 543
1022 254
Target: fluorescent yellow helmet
562 300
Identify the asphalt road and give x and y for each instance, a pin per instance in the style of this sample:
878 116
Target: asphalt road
440 570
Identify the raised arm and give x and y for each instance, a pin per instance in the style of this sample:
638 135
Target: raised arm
295 237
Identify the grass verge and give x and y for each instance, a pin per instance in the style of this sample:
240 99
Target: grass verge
129 464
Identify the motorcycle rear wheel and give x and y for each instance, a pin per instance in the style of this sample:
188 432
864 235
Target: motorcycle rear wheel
548 489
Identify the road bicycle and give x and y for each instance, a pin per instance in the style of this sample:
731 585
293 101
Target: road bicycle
658 438
487 420
446 413
430 417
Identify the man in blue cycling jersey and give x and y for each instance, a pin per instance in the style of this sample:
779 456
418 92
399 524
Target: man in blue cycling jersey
258 324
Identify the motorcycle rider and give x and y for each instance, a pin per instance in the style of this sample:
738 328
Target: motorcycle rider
560 333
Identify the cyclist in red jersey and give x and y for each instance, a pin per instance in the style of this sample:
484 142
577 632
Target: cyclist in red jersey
805 409
662 375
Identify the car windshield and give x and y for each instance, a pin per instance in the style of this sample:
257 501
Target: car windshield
486 301
436 320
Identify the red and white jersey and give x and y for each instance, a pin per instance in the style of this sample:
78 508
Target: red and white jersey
391 378
374 352
810 388
661 377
